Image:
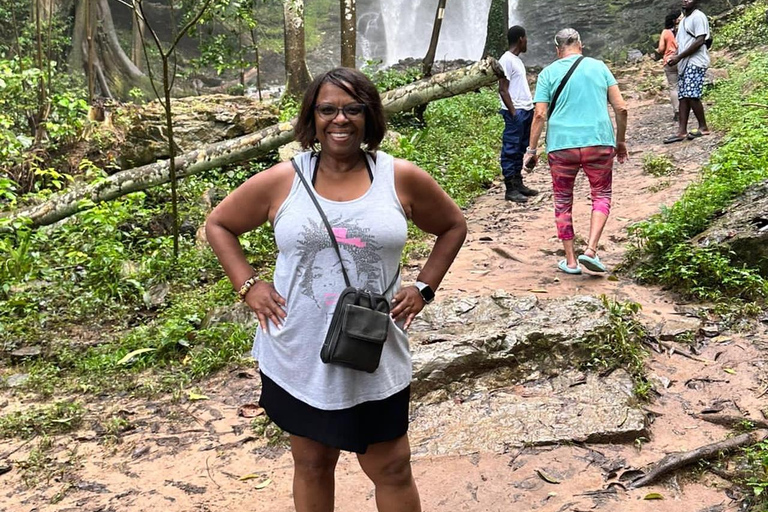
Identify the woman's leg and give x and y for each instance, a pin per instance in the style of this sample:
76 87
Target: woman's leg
388 465
671 73
313 477
563 166
597 163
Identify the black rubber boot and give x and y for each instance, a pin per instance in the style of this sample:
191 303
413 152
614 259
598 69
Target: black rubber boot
513 192
523 189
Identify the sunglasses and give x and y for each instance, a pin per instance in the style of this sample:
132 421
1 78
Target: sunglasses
570 40
328 112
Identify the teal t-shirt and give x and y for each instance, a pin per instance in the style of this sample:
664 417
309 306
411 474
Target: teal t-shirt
581 116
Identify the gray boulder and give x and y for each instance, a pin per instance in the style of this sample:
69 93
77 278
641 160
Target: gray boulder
454 340
743 229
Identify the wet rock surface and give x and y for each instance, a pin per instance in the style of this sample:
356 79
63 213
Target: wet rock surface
496 363
487 416
460 338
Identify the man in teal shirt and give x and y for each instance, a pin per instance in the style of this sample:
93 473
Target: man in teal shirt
580 135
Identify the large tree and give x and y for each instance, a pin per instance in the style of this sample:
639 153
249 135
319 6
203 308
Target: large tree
137 38
498 23
348 33
296 72
96 49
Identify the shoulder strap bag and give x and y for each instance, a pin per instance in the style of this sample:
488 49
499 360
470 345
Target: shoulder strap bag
360 322
562 85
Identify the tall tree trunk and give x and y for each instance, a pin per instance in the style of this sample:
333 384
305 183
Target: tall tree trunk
137 39
429 58
498 24
113 72
296 72
348 33
46 9
243 148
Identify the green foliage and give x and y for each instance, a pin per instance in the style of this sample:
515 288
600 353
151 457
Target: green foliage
263 426
388 79
618 344
662 244
60 417
754 460
748 30
289 108
658 165
459 144
22 168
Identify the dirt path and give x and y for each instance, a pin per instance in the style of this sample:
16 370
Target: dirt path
193 456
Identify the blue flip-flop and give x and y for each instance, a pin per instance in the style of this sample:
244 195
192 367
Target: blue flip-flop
594 264
563 266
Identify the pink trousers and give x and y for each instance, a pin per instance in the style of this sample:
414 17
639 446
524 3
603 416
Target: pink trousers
597 163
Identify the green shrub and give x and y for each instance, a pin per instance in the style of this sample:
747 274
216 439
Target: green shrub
618 344
748 30
46 420
658 165
459 144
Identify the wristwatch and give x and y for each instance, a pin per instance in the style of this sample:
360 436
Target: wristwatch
426 291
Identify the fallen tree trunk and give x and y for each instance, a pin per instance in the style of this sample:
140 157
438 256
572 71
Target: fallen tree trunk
243 148
675 461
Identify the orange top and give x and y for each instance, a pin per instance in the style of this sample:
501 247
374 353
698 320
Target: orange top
667 44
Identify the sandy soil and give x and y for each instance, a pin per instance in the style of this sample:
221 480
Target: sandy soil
182 456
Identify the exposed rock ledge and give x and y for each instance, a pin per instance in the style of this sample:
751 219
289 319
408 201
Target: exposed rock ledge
493 372
521 354
454 340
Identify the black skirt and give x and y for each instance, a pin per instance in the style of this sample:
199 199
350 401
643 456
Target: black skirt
350 429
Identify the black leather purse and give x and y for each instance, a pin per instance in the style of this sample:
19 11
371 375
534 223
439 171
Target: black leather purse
360 322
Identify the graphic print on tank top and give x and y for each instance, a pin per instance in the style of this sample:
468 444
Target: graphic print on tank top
319 266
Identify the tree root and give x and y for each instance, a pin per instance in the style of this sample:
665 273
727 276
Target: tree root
728 420
670 350
675 461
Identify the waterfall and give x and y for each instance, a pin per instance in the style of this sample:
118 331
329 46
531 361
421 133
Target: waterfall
390 30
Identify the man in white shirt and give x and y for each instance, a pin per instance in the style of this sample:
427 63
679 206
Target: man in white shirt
517 109
692 61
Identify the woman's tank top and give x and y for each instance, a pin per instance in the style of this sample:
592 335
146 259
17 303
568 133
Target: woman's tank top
371 232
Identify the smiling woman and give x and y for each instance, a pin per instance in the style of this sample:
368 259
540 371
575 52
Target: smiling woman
368 197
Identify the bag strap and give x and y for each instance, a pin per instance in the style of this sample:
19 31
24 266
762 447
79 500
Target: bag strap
562 85
330 229
707 35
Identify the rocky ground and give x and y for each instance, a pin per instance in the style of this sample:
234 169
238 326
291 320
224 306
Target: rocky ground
500 421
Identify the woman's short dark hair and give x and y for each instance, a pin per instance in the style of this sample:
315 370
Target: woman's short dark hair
669 21
357 85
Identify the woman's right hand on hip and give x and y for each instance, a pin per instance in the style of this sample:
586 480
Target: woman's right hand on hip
264 300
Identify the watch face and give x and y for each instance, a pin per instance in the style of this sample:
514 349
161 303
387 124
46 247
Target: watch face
427 294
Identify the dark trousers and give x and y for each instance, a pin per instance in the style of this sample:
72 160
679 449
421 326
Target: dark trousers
517 135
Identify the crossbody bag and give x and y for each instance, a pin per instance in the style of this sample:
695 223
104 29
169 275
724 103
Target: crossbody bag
360 321
562 85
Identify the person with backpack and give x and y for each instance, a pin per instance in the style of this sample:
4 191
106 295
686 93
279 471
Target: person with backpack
692 60
572 97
